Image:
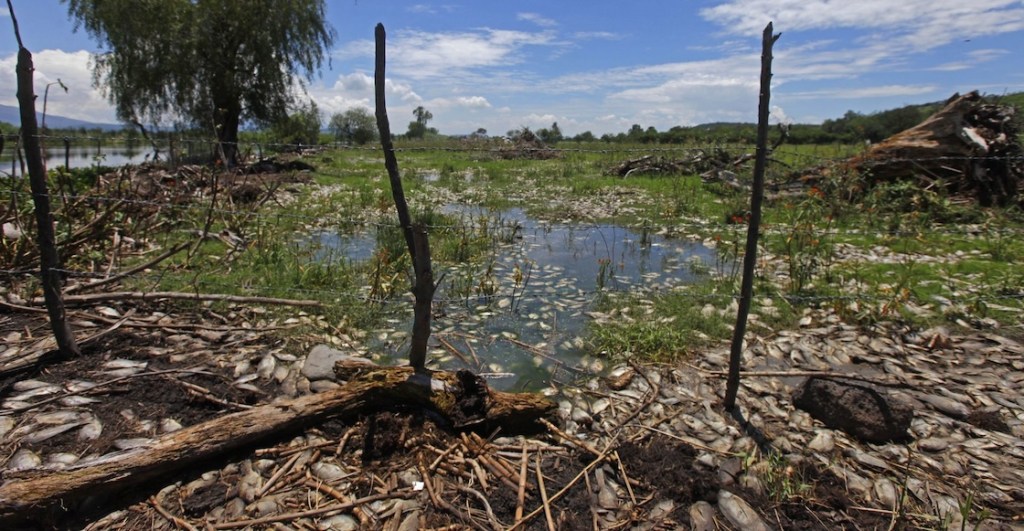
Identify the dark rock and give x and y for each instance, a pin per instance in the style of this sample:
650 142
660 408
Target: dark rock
860 410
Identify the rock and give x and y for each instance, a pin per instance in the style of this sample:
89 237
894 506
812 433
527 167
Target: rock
858 409
319 364
739 512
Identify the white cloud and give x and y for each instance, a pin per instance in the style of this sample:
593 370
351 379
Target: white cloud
430 9
424 55
356 90
883 91
597 35
537 19
919 24
81 101
462 102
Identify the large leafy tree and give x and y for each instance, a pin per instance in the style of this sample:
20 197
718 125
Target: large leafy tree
211 63
354 125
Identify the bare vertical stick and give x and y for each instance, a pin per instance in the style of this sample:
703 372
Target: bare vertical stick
423 291
750 255
416 240
49 259
390 161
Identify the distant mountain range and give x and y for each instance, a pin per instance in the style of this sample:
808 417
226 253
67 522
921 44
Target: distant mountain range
12 115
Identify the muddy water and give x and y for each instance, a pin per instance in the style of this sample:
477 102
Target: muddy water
526 326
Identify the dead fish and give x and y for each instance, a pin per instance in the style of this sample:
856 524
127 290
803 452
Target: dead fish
496 375
42 435
24 459
91 430
36 392
168 425
136 442
62 459
58 417
28 385
266 367
77 400
121 363
6 425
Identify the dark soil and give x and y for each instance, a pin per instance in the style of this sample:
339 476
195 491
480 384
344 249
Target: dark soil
122 405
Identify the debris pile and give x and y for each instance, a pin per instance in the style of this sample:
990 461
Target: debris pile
970 146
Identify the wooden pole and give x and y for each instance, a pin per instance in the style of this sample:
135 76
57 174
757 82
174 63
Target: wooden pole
49 259
415 239
750 255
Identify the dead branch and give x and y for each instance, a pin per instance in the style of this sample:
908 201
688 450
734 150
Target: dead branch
178 295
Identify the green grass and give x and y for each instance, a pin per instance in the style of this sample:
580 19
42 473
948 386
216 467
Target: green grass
937 247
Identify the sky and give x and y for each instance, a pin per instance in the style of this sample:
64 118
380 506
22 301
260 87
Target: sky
602 66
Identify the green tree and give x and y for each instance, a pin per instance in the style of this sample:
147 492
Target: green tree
212 63
418 128
355 125
585 136
550 135
300 127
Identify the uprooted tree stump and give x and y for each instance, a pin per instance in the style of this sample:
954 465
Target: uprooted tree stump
970 146
462 399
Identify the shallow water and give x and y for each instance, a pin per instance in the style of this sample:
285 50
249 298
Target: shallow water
81 156
545 277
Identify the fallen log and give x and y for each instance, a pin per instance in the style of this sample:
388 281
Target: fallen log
969 146
463 399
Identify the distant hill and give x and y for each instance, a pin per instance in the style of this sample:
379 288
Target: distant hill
11 115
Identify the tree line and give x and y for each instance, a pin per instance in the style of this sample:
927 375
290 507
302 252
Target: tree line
214 67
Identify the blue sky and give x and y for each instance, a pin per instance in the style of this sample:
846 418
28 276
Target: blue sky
605 65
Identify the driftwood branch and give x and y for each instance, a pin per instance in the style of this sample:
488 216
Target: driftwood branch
24 495
156 295
111 279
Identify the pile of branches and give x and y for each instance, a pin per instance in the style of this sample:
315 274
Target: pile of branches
714 165
526 145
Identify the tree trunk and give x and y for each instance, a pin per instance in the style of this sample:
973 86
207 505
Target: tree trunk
461 398
227 133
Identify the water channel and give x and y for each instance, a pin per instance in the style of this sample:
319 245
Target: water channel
545 277
80 156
